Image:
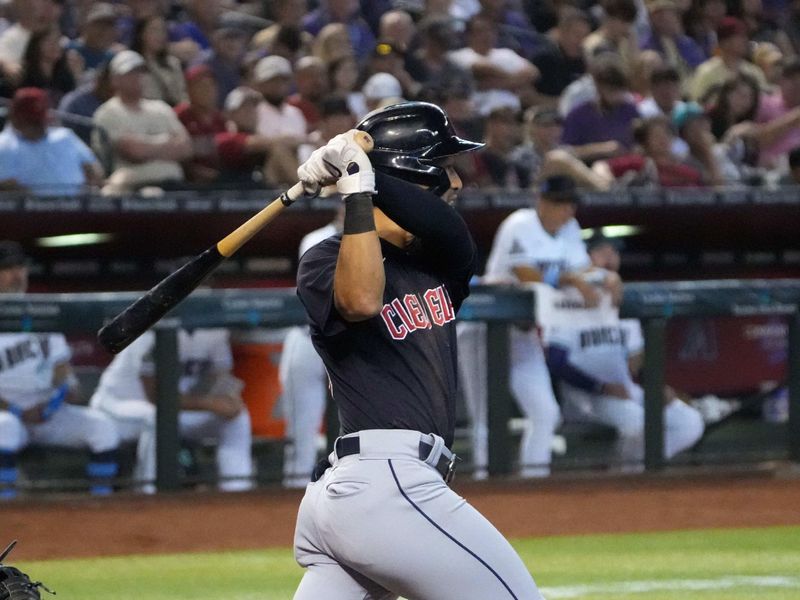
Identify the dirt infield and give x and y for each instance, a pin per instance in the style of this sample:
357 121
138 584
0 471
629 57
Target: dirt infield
209 521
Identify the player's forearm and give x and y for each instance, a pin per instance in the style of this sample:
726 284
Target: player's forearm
435 223
559 365
359 279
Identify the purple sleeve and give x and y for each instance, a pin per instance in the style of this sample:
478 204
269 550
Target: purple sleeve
574 128
560 368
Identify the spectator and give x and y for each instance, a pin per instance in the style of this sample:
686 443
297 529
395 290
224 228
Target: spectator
163 78
138 10
288 41
792 26
541 244
47 65
210 404
668 39
387 58
502 76
243 153
654 164
701 22
98 36
203 120
646 63
779 116
560 62
382 90
733 114
432 67
665 99
191 34
345 12
514 29
343 76
494 167
712 159
45 160
397 28
733 47
332 43
769 58
542 155
606 120
616 32
335 118
40 395
85 101
31 16
665 93
760 28
228 45
277 119
147 140
311 83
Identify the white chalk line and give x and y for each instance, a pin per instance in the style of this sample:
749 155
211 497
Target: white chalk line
644 587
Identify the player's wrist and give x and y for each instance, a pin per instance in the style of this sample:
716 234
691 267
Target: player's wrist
358 215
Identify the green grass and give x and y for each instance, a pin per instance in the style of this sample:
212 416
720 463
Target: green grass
579 567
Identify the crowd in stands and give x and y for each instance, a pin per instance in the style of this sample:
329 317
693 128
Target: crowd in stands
201 93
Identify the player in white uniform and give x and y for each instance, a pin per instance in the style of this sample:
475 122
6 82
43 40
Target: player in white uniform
541 244
37 392
595 382
211 404
305 384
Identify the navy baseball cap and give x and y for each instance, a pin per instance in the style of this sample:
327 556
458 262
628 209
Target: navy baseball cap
598 240
11 255
559 188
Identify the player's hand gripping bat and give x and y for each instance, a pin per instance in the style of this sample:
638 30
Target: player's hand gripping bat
154 304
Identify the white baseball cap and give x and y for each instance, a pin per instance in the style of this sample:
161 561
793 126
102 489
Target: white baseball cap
126 61
382 86
238 96
272 66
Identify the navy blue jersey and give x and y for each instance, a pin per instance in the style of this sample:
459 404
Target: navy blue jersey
396 370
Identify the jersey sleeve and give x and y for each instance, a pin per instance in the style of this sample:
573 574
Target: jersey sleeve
59 349
315 287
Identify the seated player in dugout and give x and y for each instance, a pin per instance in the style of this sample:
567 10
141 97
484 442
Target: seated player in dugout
380 521
596 384
40 397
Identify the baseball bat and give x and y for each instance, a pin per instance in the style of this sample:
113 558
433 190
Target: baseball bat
132 322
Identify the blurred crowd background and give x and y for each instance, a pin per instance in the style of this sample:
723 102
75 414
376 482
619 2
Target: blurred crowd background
214 93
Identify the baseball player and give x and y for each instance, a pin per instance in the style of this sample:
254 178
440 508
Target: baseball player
591 366
38 391
304 384
380 521
211 404
541 244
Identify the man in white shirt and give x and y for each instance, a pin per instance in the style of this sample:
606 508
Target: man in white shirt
277 119
40 396
147 141
534 245
210 401
501 74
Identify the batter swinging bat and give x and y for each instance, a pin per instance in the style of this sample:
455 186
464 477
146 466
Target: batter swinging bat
147 310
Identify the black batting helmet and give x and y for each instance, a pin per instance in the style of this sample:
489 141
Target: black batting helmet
409 138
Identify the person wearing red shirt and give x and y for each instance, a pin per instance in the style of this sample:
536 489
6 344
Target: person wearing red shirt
203 120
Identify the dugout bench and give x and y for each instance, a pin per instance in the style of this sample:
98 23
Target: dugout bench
499 306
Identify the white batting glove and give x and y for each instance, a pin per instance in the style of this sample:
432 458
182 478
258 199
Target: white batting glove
317 172
342 161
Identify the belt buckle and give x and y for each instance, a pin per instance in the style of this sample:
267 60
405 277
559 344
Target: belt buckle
451 468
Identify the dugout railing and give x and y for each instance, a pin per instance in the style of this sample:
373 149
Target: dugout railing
500 307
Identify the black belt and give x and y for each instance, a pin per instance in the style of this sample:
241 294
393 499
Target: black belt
345 446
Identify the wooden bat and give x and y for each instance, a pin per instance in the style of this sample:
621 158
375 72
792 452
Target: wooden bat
132 322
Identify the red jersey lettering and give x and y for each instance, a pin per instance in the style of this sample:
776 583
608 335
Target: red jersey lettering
416 312
398 332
